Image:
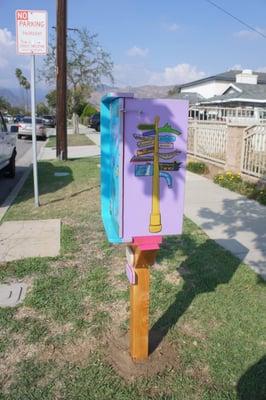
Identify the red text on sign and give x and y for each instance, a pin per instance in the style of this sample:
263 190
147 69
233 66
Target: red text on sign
22 15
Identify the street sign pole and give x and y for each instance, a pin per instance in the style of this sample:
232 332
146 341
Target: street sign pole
34 143
32 39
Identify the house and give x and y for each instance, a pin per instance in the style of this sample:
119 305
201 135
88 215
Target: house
239 95
217 85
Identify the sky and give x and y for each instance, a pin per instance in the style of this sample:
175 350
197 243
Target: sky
152 42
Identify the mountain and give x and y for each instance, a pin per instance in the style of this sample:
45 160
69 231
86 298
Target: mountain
15 95
146 91
10 96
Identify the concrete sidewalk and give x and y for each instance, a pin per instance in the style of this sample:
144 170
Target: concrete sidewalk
233 221
23 239
93 136
49 153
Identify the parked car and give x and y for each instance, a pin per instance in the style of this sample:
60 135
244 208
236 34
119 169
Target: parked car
8 118
18 118
49 120
94 122
25 128
7 148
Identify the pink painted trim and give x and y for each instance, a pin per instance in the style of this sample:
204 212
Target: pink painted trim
148 242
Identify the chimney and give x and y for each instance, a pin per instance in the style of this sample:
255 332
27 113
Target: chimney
247 76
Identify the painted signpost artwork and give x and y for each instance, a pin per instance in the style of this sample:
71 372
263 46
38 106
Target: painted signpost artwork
158 146
143 154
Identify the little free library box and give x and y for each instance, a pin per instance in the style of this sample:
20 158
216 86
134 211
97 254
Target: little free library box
143 155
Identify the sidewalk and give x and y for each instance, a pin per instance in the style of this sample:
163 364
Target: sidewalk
235 222
49 153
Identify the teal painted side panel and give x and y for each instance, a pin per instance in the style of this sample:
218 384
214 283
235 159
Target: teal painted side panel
110 162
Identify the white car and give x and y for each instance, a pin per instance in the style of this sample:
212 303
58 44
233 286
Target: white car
25 128
8 148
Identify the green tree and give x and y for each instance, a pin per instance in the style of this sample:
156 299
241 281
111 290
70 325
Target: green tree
51 99
25 84
87 64
4 104
42 109
174 91
88 110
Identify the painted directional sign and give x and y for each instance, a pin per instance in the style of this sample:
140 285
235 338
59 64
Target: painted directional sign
143 166
32 32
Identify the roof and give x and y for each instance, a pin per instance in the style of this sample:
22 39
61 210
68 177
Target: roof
228 76
192 97
240 92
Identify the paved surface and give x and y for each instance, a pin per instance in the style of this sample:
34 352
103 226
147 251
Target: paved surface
23 160
233 221
22 239
49 153
94 136
12 294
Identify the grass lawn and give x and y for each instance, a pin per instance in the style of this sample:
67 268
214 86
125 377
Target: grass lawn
68 339
72 140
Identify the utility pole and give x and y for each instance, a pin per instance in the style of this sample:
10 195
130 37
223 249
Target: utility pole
61 80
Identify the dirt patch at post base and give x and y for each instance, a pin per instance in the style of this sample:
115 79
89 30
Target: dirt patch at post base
118 355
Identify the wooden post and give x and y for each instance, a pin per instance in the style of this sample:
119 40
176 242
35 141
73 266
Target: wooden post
61 80
139 304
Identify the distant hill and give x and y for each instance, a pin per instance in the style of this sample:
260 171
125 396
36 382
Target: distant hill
15 95
147 91
10 96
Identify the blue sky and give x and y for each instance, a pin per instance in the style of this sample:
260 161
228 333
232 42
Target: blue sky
153 42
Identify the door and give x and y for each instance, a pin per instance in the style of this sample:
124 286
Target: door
154 166
115 164
3 143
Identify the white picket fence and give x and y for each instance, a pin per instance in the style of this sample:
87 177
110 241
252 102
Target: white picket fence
207 140
254 151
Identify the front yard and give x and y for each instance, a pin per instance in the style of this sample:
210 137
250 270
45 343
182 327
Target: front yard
69 338
73 140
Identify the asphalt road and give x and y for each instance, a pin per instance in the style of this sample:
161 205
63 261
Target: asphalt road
23 160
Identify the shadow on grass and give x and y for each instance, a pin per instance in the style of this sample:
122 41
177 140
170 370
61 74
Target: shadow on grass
206 267
48 181
252 385
71 196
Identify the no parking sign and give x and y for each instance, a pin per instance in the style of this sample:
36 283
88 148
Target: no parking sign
32 32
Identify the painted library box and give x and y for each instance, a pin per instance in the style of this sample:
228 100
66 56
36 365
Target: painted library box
143 155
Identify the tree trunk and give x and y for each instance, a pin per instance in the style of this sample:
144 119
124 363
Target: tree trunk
75 121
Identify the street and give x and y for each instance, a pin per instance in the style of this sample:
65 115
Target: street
23 160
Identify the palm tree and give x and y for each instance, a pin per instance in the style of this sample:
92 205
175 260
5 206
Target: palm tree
24 83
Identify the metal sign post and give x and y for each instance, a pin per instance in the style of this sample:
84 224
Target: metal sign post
34 142
32 39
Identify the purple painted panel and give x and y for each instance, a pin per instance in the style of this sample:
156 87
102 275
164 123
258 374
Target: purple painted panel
139 147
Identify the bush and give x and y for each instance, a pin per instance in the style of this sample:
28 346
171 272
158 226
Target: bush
235 183
197 167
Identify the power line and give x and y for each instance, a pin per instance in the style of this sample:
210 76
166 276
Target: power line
236 18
